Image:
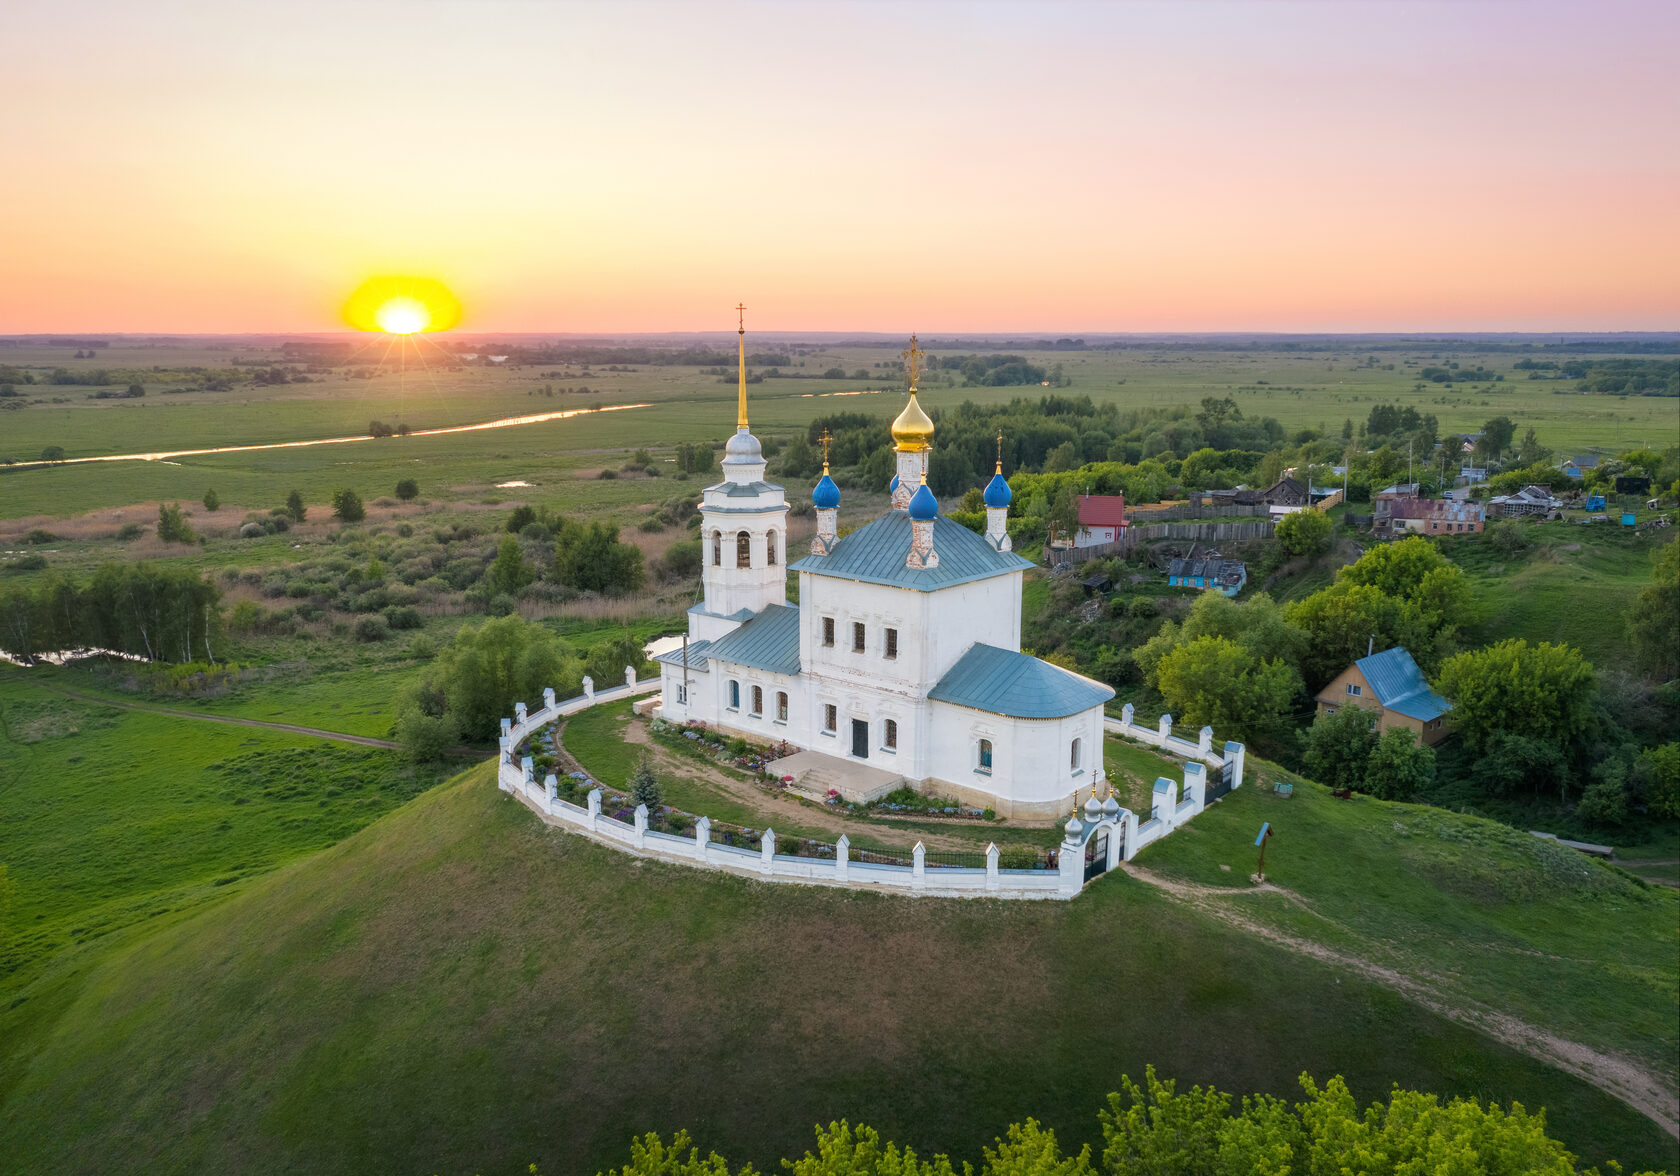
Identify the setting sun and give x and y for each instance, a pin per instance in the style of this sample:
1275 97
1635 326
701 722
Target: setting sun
402 306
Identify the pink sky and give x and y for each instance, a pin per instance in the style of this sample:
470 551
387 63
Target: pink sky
942 167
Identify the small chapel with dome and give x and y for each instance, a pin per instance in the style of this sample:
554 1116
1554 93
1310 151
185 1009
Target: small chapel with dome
903 655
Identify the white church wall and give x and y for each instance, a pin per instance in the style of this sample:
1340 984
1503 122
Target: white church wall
1032 773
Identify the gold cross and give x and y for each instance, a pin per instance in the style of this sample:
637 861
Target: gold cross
1000 451
913 358
741 315
825 439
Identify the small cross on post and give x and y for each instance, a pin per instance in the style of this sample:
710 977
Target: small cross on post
913 360
741 318
826 438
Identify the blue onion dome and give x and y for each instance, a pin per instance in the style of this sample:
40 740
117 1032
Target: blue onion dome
998 493
826 496
892 486
924 507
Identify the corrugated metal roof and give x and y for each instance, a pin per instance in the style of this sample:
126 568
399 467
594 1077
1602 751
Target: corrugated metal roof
1399 685
696 656
874 554
1102 510
769 642
1019 685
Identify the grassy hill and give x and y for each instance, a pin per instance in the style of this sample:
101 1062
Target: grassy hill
456 988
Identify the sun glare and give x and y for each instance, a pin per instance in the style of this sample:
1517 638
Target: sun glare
402 306
402 316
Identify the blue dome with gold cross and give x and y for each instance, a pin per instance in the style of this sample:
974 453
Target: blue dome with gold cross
924 507
826 496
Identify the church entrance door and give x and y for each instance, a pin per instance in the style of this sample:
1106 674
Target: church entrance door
860 738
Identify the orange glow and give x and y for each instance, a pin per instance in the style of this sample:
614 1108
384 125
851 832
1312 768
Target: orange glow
402 306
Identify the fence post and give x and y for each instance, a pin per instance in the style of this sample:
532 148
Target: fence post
519 713
1164 801
1164 728
918 866
594 809
1235 754
842 856
702 836
1204 744
527 772
1070 864
992 879
1126 713
630 677
551 785
548 698
589 687
1195 786
767 851
1128 828
507 728
641 826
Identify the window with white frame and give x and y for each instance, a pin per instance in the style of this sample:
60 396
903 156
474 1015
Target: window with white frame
831 718
892 642
1355 689
828 632
1073 756
758 700
734 695
857 636
890 734
781 706
985 763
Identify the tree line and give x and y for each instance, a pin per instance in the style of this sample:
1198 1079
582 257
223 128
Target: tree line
145 610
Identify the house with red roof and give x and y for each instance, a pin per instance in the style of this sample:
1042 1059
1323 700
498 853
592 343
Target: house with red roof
1102 519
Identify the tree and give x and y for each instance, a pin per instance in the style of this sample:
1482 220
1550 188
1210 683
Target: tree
295 508
1304 533
1543 691
347 506
509 573
1653 624
408 489
590 558
489 667
1399 766
1657 776
1213 681
426 728
1344 622
1339 747
644 785
53 453
1496 437
522 517
172 525
211 502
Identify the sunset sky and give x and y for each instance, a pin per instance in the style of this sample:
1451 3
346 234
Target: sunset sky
943 167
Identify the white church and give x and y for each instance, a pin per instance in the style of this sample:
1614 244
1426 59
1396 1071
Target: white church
904 652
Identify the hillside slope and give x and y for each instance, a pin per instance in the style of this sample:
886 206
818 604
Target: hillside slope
457 989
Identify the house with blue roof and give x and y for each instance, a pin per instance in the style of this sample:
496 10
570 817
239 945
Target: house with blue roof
903 654
1390 685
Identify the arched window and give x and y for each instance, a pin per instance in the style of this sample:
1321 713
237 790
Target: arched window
1073 758
743 550
770 549
735 695
986 756
781 705
892 734
717 549
758 700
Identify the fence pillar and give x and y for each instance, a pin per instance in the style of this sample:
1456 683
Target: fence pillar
1235 754
1204 744
589 687
767 851
1164 728
1070 864
1116 841
551 785
630 677
594 809
527 772
548 698
641 825
1126 713
842 856
702 837
505 743
1128 833
918 866
507 727
992 879
1195 786
519 713
1164 801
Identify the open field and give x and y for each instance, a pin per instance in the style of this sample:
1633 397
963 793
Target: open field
460 989
1300 389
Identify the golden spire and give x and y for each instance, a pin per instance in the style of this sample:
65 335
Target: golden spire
1000 452
825 439
741 356
913 430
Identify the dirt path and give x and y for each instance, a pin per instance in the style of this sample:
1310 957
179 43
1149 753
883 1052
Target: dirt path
233 720
772 804
1619 1077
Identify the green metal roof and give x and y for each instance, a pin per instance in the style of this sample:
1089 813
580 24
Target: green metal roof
769 642
1005 682
1399 685
696 656
874 554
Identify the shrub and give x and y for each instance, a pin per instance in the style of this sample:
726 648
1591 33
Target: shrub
607 475
372 628
172 525
38 536
422 648
405 530
408 490
403 617
501 605
211 502
522 517
130 531
29 563
294 507
644 785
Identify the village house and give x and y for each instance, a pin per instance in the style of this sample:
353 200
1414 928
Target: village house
1530 500
1221 575
1426 516
1577 467
1390 684
1102 519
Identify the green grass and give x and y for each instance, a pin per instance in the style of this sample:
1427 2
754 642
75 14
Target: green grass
1465 898
113 817
461 989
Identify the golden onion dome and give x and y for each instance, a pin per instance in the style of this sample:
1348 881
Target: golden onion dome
912 432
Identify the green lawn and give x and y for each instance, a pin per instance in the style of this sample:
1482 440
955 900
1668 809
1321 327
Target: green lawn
1472 901
459 988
